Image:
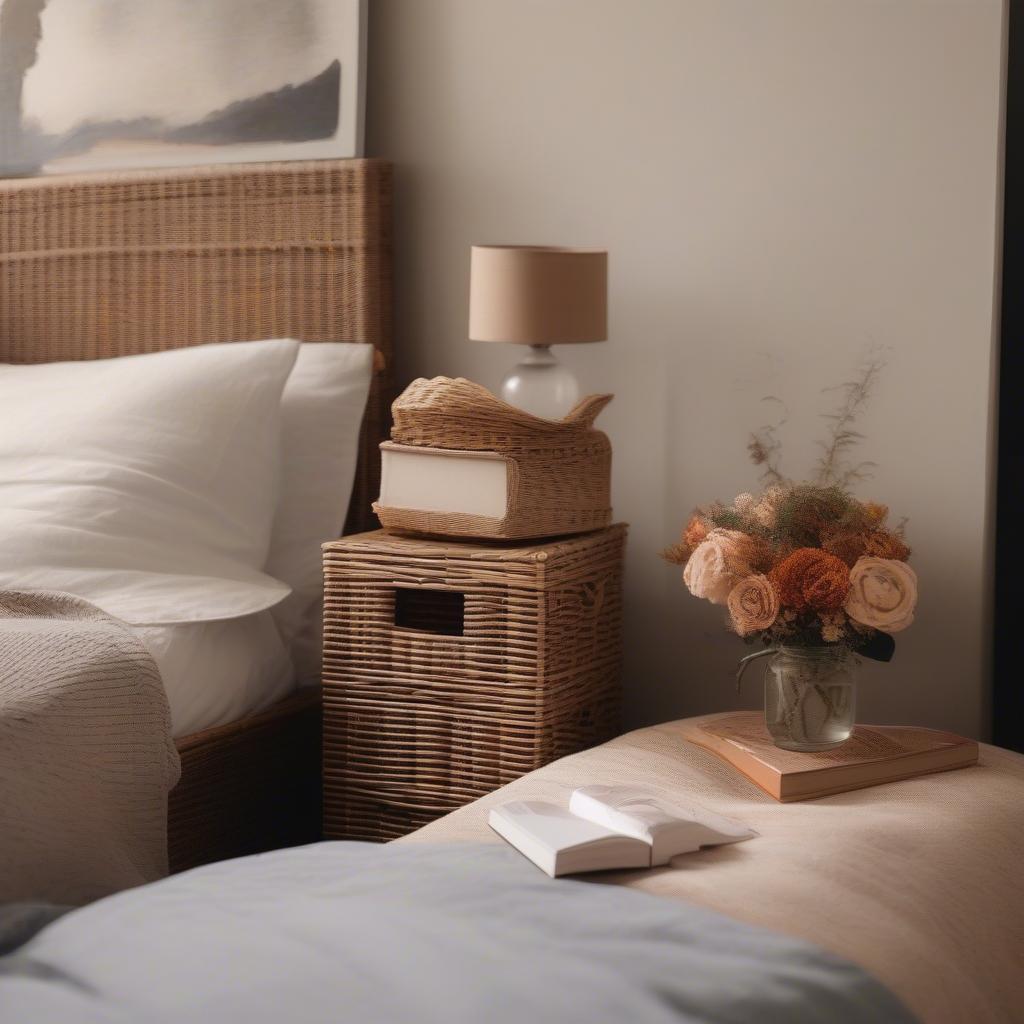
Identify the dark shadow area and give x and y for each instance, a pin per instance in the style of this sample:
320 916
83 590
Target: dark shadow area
431 611
1007 689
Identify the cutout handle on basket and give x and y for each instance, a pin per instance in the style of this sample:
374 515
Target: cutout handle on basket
431 611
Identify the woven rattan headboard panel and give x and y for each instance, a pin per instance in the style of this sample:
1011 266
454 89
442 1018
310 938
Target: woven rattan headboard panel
113 264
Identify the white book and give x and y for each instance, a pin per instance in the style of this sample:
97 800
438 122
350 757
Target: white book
490 494
435 480
610 828
560 843
669 828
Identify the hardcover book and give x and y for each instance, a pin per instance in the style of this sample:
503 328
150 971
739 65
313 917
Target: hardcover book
872 755
440 481
451 492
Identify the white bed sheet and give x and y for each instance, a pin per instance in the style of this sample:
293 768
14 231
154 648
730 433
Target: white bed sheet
218 672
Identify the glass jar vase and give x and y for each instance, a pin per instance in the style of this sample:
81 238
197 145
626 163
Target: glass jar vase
810 697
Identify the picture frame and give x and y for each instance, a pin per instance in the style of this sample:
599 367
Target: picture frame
114 84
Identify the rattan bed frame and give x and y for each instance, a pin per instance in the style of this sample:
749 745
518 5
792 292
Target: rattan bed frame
113 264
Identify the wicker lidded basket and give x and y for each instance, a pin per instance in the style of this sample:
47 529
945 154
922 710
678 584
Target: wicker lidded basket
557 473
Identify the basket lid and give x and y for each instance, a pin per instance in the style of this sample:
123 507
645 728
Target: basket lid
448 412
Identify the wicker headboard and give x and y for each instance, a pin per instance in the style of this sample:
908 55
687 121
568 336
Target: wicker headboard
113 264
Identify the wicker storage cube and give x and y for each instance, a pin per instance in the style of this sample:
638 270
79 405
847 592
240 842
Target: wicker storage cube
453 668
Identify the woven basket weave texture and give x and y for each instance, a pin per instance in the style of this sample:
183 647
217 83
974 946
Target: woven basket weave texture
114 264
417 722
559 471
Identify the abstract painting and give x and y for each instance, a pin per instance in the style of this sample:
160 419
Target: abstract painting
100 84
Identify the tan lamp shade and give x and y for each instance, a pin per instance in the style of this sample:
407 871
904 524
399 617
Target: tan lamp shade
538 295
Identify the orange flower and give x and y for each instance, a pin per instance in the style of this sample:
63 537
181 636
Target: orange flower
812 580
846 546
883 544
877 543
875 512
695 532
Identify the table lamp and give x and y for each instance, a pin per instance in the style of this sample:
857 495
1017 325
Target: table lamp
539 296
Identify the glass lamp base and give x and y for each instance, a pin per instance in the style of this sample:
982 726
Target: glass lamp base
541 385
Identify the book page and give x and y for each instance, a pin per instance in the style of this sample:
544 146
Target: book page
670 828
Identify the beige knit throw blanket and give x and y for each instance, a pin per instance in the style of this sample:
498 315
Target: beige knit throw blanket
86 755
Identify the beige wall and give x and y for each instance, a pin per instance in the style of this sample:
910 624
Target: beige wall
781 184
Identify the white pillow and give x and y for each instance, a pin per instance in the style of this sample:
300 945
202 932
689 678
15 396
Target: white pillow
146 484
322 409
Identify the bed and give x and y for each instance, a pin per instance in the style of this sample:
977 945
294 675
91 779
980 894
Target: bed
892 904
918 881
117 264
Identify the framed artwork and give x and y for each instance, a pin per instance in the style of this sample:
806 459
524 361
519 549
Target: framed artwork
104 84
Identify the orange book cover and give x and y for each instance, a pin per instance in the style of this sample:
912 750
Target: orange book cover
872 755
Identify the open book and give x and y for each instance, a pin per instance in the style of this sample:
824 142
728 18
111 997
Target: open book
610 828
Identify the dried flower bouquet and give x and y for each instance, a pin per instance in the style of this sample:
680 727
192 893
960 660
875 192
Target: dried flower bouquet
805 564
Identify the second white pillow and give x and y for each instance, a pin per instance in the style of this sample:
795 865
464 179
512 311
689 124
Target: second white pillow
322 410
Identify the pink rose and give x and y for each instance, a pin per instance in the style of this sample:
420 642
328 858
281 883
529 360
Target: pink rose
753 605
883 594
717 564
